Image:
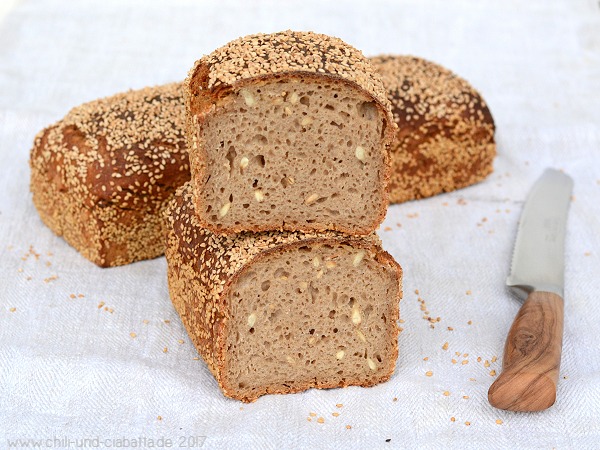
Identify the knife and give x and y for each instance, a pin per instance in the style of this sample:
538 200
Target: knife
534 344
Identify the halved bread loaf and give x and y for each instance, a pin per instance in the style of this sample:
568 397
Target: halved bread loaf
445 135
100 177
281 312
288 131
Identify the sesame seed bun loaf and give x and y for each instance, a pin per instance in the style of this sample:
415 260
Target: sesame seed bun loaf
288 131
445 135
281 312
101 176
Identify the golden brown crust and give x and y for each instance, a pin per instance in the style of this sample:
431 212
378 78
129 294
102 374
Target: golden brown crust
202 266
267 57
102 174
445 135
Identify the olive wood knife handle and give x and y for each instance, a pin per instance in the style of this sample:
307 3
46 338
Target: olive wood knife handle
531 356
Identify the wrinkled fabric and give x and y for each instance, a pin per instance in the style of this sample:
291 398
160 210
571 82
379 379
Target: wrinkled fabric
101 353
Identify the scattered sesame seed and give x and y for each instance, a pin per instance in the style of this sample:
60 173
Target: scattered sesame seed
429 373
348 427
100 305
321 420
468 292
499 421
159 417
452 419
445 346
446 393
335 414
13 309
468 423
133 335
492 373
165 350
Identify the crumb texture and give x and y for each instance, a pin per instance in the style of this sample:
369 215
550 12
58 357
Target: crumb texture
289 131
280 312
100 177
445 135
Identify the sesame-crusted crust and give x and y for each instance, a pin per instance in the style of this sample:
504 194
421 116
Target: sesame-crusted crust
102 174
202 266
445 135
263 58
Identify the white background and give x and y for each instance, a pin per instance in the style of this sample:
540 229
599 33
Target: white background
69 369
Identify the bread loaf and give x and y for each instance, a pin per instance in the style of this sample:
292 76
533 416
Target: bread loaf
281 312
288 131
445 135
101 176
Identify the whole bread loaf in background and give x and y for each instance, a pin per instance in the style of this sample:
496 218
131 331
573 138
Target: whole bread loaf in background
281 312
288 131
100 176
445 135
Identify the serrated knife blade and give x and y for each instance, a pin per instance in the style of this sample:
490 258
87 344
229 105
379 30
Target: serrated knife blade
539 252
533 347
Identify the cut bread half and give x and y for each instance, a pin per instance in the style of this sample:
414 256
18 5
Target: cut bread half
281 312
288 131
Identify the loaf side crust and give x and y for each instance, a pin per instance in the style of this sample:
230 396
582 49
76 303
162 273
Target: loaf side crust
100 177
213 262
445 135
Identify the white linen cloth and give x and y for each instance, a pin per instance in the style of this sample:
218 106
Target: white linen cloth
69 369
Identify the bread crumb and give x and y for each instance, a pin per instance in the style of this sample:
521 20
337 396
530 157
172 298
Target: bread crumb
469 292
387 229
429 373
133 335
309 419
348 427
446 393
80 296
417 291
493 373
468 423
472 379
454 361
72 295
159 417
466 397
452 419
445 346
486 363
335 414
312 414
426 358
479 359
466 361
196 358
145 322
470 322
499 421
100 305
180 341
165 350
395 399
494 359
167 321
13 309
450 329
321 420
